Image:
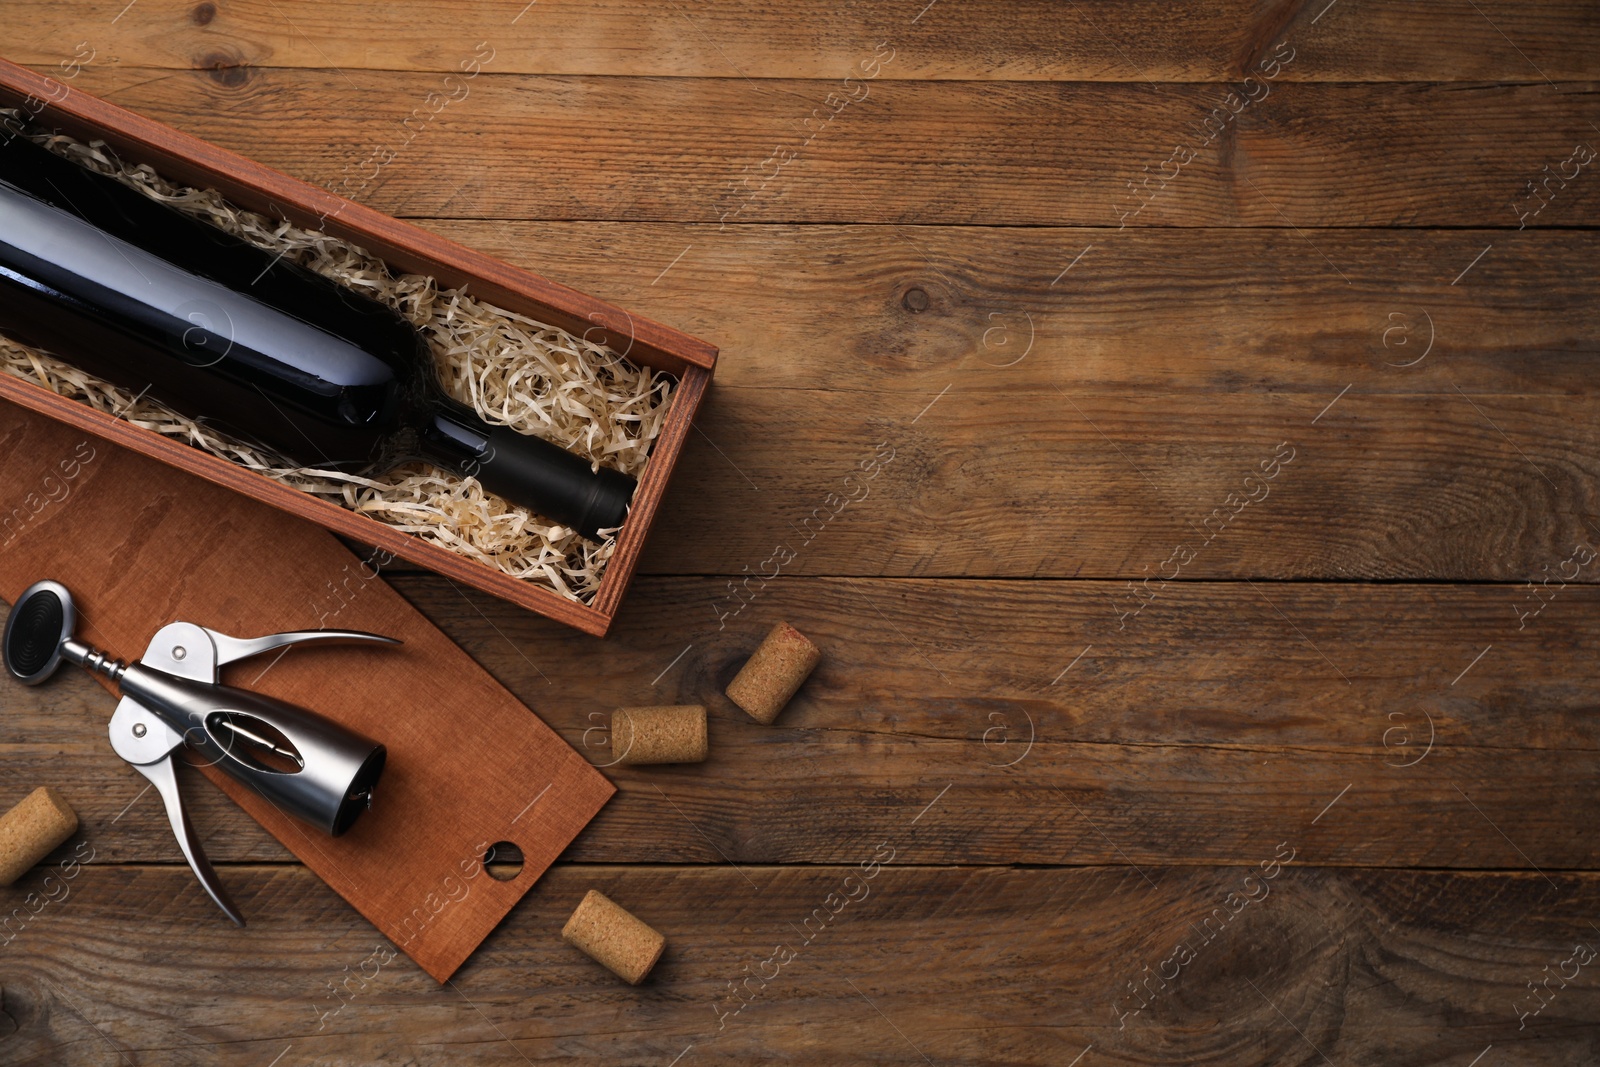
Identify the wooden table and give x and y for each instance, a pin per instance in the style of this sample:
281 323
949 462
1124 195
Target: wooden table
1210 674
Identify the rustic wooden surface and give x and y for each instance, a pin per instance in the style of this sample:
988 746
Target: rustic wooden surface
1071 775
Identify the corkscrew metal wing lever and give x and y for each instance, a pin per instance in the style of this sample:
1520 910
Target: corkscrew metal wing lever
147 743
303 764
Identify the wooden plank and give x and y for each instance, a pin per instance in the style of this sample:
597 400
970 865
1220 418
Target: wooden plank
718 150
911 966
1043 484
1183 738
1167 310
1092 40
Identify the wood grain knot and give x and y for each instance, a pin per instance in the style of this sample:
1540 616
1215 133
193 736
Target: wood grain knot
9 1000
916 300
227 71
203 14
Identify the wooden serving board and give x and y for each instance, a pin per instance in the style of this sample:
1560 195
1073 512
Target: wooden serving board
141 544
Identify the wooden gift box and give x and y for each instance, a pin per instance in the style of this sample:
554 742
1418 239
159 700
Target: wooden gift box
182 158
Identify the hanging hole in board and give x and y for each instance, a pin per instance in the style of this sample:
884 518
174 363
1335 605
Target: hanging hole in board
503 861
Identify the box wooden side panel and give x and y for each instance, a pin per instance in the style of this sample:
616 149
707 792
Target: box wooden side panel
652 487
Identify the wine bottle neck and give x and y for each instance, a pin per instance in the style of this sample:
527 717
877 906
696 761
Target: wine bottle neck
524 469
451 435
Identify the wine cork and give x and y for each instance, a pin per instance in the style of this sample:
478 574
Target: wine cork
610 936
765 684
675 734
29 831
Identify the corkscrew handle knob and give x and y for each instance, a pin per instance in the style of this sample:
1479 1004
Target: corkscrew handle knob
39 625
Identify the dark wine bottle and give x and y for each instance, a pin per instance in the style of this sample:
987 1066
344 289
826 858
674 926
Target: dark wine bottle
149 298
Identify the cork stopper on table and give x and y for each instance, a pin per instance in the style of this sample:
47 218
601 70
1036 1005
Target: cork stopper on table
778 668
31 830
610 936
659 734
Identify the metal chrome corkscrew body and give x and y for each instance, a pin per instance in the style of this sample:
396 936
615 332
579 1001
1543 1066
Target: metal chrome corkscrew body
302 763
